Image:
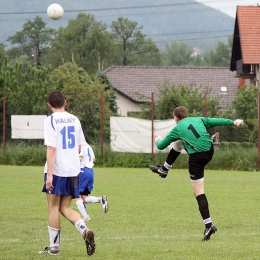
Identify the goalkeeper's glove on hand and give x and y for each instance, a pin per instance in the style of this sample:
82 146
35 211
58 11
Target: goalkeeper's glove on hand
157 138
238 122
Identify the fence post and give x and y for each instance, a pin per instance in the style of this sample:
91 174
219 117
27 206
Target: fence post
101 127
4 122
152 120
205 105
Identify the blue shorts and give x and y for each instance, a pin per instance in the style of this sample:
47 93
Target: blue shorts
86 181
63 186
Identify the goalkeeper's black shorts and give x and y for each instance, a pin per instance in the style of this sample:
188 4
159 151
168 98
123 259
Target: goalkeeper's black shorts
197 163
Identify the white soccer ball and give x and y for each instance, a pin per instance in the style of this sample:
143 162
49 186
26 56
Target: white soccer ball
55 11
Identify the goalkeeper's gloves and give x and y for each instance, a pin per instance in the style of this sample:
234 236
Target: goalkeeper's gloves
238 122
157 138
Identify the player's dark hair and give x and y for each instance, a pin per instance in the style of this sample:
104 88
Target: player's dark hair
180 112
56 99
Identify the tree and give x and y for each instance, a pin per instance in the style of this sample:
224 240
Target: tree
110 90
246 103
83 41
171 96
131 44
83 92
31 40
26 90
220 57
179 54
2 52
194 98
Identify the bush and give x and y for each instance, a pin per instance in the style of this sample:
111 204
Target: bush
231 156
22 154
235 145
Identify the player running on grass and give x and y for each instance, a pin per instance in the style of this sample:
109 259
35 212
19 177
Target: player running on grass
63 136
86 182
191 134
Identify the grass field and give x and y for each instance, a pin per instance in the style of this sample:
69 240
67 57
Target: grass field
148 217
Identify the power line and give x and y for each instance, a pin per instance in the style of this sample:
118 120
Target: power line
186 33
124 8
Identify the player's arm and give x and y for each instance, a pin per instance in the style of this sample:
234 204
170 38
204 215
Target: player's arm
51 157
167 140
211 122
80 156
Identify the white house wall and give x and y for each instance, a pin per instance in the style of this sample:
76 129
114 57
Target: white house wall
125 105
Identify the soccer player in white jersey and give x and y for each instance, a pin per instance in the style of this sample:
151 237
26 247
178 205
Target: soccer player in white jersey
63 137
86 182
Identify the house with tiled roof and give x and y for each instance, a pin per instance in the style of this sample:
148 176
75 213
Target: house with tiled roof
135 84
245 57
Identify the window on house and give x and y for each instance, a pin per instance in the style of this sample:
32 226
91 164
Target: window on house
223 90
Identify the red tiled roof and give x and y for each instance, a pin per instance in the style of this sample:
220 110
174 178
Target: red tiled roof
248 18
129 80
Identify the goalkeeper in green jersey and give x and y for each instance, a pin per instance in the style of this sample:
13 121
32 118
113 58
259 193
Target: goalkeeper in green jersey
191 134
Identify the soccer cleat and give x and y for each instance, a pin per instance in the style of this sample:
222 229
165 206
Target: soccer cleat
159 170
50 250
104 203
88 236
208 232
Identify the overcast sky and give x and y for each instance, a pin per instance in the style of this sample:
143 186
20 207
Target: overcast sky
228 7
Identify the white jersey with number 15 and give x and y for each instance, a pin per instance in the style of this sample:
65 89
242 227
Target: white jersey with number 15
63 131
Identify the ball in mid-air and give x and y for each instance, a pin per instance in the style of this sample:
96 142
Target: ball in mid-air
55 11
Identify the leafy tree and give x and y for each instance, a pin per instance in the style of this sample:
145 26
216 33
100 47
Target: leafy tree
253 137
83 92
179 54
111 93
220 57
197 61
244 106
32 40
246 103
171 96
26 90
131 44
2 52
194 98
83 41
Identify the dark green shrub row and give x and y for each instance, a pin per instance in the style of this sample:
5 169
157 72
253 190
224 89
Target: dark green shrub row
231 156
235 145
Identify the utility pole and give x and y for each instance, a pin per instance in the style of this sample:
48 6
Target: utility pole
258 85
152 120
4 122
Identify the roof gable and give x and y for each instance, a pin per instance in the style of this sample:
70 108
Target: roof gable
247 19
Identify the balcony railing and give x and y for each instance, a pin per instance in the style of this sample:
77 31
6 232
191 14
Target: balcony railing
245 69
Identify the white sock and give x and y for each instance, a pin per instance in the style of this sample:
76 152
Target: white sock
92 199
207 221
81 226
54 235
167 166
82 208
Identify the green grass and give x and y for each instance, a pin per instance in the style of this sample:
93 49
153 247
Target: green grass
148 217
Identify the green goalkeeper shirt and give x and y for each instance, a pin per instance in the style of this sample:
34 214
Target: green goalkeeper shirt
193 133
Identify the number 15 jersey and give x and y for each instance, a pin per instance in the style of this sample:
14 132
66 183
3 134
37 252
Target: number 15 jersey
63 131
193 133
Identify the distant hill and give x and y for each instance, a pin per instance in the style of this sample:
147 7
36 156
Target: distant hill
165 21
